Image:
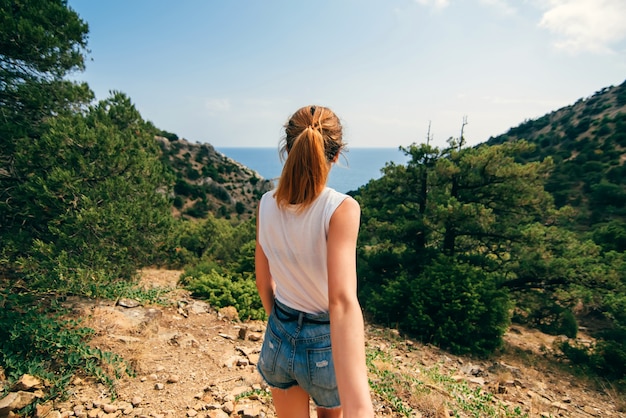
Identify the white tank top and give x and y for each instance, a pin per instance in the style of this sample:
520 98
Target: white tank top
295 246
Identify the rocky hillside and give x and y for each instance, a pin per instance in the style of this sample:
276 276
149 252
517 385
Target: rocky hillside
587 141
191 360
209 182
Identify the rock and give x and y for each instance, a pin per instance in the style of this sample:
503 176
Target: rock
231 361
254 359
217 414
109 409
199 307
159 386
43 410
27 383
560 406
94 413
248 411
477 380
243 331
128 303
229 313
136 401
173 379
228 407
255 336
15 401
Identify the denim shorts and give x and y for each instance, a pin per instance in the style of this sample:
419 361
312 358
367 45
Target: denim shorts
296 351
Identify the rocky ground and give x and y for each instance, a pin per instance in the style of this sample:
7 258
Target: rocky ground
193 361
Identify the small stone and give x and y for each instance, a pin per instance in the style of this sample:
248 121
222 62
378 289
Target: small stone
253 359
159 386
229 313
231 361
242 333
94 413
217 414
27 382
43 410
255 336
108 408
228 407
128 303
136 401
173 378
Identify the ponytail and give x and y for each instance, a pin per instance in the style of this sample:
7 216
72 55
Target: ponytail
312 142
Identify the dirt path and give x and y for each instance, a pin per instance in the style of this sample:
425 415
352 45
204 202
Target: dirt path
191 360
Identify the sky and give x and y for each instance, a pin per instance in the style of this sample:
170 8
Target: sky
231 72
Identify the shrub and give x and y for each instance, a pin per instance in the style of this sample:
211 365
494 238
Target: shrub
227 289
36 338
452 305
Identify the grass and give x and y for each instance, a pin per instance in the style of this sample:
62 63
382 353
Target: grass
38 336
429 391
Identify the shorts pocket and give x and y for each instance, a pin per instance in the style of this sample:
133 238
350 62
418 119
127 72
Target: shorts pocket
321 367
269 351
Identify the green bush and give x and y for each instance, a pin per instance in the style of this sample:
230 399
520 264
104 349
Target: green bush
605 358
452 305
94 199
37 338
227 289
537 310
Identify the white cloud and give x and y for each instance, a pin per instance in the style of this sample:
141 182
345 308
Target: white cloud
437 4
585 25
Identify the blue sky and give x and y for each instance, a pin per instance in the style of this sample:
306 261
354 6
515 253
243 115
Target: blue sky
230 72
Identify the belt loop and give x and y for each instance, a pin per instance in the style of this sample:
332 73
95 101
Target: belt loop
300 318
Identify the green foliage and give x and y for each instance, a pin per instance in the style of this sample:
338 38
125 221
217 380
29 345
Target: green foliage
227 289
216 240
199 209
169 135
539 310
41 41
219 259
389 384
37 338
404 392
435 230
454 306
606 358
91 194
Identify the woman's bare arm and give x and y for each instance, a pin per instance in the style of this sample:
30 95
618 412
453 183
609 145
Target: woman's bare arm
264 282
346 318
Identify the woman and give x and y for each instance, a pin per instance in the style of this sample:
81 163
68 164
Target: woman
306 277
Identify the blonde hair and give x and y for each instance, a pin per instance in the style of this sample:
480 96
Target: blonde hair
313 139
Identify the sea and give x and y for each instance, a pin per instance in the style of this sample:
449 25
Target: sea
355 168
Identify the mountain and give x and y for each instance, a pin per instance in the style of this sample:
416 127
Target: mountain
587 141
209 182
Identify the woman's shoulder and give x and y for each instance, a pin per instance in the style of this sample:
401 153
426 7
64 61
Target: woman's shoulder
336 196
